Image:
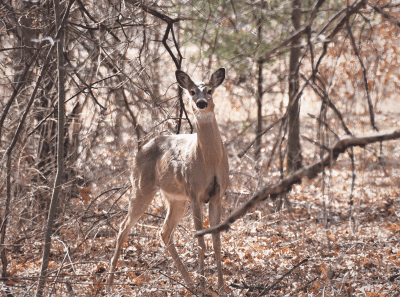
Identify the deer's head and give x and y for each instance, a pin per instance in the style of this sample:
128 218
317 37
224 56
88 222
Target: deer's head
200 92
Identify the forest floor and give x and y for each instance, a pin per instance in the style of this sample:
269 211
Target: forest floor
286 247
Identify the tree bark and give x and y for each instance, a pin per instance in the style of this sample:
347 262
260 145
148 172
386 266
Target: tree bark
294 158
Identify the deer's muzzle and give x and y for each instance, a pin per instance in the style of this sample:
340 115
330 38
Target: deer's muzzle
201 103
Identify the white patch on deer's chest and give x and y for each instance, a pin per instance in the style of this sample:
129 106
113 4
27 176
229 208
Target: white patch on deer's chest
205 117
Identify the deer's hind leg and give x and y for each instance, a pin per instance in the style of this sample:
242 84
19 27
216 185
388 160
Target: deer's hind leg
137 206
176 210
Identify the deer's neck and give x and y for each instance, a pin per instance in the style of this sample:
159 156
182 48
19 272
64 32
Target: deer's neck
209 142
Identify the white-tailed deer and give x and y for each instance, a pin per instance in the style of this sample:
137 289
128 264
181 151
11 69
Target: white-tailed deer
183 167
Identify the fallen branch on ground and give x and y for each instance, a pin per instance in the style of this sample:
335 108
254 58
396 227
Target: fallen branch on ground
311 171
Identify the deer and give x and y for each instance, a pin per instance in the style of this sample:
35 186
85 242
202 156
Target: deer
183 167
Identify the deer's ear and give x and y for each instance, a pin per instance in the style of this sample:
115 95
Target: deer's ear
217 78
184 80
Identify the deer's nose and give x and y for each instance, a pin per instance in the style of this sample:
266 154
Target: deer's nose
201 104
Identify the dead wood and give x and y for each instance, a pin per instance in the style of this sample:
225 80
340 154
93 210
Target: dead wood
310 171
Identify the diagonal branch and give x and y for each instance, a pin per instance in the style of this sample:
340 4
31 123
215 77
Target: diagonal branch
21 81
311 171
325 98
387 16
357 53
350 10
268 288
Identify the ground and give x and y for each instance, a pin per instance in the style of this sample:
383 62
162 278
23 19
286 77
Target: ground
286 247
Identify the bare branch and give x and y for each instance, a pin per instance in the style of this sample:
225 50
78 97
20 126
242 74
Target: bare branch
18 87
294 35
310 172
8 155
356 52
259 135
156 13
267 289
102 26
387 16
350 10
177 61
326 100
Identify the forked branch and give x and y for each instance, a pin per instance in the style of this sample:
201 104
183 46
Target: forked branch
177 60
310 172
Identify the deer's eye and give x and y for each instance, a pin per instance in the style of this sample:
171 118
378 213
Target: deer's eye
209 92
192 93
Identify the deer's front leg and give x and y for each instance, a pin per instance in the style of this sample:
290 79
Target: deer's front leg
198 224
215 215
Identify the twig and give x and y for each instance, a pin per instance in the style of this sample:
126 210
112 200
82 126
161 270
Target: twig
8 155
101 25
327 101
371 107
178 64
178 282
83 81
353 179
294 35
258 136
324 123
41 122
320 145
247 287
21 81
88 86
136 125
309 282
120 26
103 193
282 277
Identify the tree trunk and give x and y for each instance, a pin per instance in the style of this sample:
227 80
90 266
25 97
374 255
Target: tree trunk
21 57
60 152
46 133
260 91
294 158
